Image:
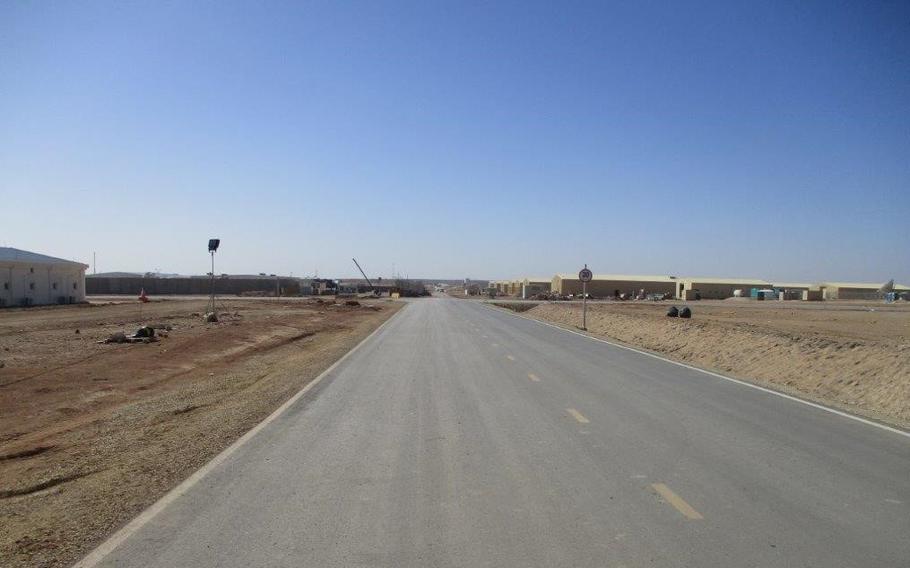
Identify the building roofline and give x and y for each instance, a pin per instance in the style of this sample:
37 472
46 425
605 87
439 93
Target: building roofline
10 254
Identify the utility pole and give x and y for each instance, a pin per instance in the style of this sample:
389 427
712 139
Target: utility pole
213 246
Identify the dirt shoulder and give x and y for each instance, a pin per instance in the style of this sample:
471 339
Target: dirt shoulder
91 434
851 356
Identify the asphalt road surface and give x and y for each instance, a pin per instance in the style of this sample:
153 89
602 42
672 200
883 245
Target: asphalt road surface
460 435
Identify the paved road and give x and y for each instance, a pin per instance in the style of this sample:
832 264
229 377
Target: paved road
460 435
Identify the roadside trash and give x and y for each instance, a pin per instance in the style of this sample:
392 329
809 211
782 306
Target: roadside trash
672 312
77 331
685 313
116 337
210 317
142 297
351 303
144 334
2 364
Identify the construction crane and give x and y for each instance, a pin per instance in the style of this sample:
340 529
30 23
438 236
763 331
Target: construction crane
365 277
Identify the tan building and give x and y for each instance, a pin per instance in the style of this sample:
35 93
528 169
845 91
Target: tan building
856 290
795 286
690 288
533 286
797 291
506 287
611 285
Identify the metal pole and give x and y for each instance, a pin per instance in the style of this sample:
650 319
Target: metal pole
584 305
213 283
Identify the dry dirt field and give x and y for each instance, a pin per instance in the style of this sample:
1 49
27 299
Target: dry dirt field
854 356
91 434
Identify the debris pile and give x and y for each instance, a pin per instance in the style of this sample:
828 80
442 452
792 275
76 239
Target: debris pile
145 334
683 312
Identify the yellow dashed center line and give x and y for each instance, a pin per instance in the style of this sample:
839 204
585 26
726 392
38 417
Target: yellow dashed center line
577 415
510 358
676 501
534 377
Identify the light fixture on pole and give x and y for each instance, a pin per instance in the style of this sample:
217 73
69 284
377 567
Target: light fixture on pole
213 246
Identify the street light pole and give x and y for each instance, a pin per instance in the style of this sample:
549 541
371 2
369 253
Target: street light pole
213 246
212 286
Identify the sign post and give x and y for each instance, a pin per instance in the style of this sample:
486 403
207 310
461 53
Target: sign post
585 275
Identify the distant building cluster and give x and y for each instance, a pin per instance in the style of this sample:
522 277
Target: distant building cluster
626 286
29 278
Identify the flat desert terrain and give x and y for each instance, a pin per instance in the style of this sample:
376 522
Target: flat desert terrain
93 433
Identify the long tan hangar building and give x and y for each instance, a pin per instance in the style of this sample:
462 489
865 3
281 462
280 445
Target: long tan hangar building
685 287
855 290
608 285
716 288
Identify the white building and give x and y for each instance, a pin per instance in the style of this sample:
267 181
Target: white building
29 279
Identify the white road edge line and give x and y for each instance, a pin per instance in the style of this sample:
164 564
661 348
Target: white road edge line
712 373
118 538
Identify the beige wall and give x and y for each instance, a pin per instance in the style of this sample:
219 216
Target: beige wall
607 288
836 293
709 290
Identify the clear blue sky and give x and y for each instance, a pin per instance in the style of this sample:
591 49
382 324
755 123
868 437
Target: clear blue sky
488 140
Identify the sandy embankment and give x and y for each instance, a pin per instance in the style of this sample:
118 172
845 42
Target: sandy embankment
855 359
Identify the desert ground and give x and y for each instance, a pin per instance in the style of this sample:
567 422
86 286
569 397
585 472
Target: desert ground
93 433
850 355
